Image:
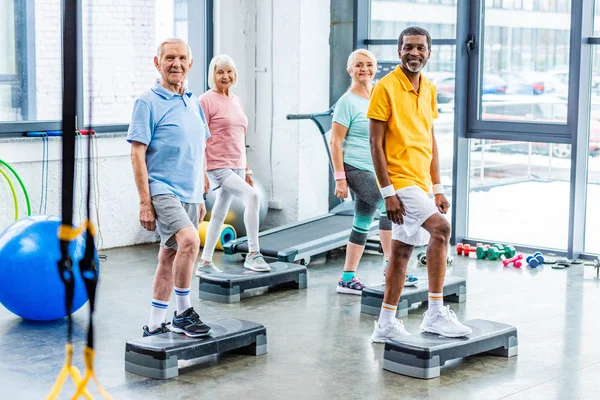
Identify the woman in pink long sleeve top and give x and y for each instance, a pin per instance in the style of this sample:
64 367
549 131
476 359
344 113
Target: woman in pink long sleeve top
226 164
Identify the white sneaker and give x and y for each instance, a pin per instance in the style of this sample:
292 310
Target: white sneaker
201 266
257 263
394 331
444 323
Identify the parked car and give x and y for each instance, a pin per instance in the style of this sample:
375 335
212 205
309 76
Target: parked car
527 83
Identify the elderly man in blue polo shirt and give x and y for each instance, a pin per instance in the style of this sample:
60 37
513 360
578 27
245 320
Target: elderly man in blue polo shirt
168 133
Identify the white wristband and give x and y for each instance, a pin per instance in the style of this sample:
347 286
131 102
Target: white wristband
438 188
248 172
387 191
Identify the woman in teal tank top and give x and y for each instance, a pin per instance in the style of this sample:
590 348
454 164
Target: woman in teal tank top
354 171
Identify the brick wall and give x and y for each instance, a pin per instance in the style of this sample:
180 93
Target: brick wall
119 37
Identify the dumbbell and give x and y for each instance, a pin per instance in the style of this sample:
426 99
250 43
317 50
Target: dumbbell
497 250
514 260
422 258
535 260
459 249
481 250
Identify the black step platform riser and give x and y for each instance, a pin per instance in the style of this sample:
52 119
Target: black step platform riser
455 291
422 356
158 356
228 286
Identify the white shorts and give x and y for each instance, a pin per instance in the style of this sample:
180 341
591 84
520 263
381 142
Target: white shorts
419 207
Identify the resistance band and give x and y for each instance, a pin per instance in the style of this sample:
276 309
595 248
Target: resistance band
66 232
14 194
20 183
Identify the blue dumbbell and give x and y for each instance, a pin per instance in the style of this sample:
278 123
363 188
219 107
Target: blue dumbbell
535 260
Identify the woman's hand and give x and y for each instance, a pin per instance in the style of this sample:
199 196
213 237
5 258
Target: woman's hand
249 180
341 188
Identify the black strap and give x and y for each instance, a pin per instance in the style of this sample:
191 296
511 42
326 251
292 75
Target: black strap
69 111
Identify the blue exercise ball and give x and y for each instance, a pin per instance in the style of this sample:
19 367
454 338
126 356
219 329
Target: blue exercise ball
30 285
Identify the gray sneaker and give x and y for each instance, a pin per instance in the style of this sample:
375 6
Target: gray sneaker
257 263
201 266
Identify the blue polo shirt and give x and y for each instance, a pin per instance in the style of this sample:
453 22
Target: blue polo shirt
174 129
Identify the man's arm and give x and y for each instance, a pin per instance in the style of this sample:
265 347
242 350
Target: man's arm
440 199
377 141
435 162
140 175
393 205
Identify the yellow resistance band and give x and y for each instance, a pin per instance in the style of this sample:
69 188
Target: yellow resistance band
67 369
14 194
70 233
88 356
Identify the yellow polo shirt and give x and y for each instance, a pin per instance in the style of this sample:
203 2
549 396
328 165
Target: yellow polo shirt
409 116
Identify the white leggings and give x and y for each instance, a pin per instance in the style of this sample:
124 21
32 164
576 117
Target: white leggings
233 185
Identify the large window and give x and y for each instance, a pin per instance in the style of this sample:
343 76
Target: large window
30 60
519 192
118 43
119 55
592 234
9 109
525 56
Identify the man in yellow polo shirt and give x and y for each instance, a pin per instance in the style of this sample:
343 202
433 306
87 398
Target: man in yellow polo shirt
401 111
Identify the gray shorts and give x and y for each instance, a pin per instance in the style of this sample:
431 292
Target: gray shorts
172 215
218 176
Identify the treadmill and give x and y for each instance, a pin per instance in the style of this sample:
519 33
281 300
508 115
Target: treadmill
301 240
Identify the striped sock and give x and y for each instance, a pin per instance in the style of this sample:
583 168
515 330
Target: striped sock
158 313
182 296
436 301
387 314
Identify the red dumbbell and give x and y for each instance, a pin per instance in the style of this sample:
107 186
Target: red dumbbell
459 249
468 249
514 260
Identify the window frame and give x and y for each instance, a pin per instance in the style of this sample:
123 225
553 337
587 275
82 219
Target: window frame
200 40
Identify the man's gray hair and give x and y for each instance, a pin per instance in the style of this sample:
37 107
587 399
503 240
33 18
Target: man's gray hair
159 49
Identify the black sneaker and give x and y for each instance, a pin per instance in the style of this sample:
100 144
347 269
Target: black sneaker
190 324
158 331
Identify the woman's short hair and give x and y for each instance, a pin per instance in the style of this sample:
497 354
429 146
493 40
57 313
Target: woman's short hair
220 61
159 49
353 55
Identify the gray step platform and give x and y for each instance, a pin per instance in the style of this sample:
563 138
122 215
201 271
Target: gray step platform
228 284
423 355
455 290
157 356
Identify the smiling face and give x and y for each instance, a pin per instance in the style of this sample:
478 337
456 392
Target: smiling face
225 77
362 69
174 63
414 53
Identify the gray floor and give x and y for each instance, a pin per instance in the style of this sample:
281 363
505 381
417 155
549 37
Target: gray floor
319 342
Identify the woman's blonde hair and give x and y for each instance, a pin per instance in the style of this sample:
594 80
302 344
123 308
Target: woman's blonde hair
222 60
353 55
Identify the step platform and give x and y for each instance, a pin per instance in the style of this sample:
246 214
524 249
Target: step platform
455 291
157 356
227 284
423 355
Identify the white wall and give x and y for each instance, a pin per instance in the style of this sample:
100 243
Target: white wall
282 54
118 198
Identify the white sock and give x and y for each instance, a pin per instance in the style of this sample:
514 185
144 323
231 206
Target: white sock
436 301
158 313
387 314
182 296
